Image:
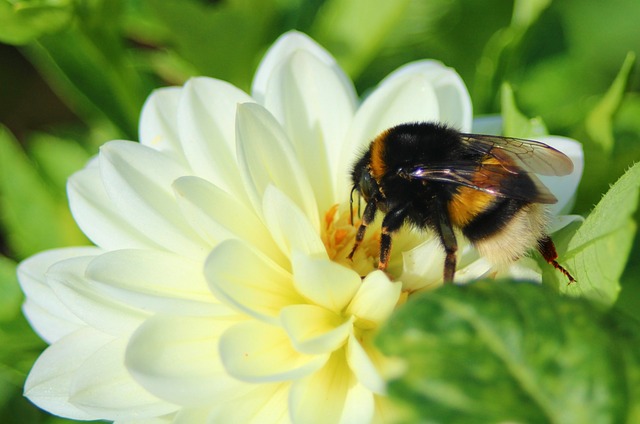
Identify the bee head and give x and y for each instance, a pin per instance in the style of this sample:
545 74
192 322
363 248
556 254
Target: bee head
366 187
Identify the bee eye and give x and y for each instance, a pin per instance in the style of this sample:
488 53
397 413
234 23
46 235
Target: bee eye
367 186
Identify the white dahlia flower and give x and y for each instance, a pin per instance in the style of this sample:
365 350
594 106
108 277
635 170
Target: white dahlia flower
219 288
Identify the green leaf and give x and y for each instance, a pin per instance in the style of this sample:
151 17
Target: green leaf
354 30
23 21
515 124
598 251
224 39
34 217
10 295
502 351
58 158
526 12
599 122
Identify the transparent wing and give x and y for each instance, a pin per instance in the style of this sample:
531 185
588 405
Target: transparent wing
497 180
530 155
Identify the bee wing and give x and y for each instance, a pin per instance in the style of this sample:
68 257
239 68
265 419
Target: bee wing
530 155
497 180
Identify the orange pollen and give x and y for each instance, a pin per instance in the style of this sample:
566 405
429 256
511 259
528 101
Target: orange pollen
338 236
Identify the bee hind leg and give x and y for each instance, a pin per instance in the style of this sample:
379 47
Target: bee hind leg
548 251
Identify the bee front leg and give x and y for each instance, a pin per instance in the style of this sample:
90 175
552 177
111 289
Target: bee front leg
367 217
449 242
391 223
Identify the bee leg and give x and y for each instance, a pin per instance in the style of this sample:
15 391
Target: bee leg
391 223
449 242
548 251
367 217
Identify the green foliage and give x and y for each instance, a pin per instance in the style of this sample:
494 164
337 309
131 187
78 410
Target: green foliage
599 249
24 21
33 215
501 351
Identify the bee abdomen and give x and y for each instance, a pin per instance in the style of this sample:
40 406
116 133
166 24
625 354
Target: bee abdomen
509 231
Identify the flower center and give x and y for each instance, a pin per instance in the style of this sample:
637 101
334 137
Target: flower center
339 235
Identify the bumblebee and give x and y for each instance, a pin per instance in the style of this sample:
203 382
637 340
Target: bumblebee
436 178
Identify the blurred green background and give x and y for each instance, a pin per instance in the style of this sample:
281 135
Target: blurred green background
75 73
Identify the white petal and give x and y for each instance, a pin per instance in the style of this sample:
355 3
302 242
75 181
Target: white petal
409 98
245 278
314 329
96 215
290 228
218 216
422 265
309 99
50 379
564 188
265 404
284 47
176 358
363 367
103 387
324 282
487 124
207 116
375 300
68 281
256 352
453 97
138 180
560 221
48 316
159 122
267 157
343 399
155 281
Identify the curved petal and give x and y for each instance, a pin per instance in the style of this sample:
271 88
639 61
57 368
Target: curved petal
96 215
155 281
207 119
256 352
313 329
408 98
363 367
243 277
309 99
176 358
564 188
218 216
68 281
376 298
103 387
422 265
138 180
159 122
487 124
453 97
343 399
49 381
284 47
48 316
265 404
267 157
324 282
290 228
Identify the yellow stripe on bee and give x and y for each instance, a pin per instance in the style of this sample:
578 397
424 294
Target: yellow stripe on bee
378 166
468 202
